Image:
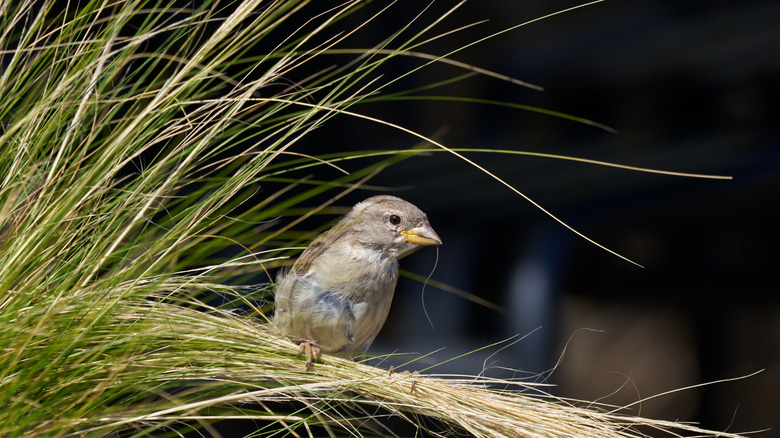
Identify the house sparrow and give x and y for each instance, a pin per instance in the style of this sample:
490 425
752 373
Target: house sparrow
337 295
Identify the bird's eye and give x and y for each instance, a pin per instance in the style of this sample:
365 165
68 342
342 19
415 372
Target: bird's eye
395 219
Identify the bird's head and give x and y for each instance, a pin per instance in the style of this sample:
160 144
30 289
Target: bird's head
391 224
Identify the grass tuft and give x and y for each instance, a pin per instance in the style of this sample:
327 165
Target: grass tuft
147 154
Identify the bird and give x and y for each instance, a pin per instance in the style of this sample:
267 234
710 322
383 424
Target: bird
337 295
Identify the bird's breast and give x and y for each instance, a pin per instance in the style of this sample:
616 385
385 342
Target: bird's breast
361 270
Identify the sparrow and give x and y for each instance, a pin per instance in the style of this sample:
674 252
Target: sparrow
337 294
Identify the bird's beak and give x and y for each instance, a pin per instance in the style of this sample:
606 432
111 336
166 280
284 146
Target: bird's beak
422 235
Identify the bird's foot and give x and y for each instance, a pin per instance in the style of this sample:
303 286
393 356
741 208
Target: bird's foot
406 373
402 373
312 352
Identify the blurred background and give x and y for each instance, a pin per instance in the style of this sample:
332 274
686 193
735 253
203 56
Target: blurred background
689 86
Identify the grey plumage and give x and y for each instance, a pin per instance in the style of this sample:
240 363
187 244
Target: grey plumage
338 293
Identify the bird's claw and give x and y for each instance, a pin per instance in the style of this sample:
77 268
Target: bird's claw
312 352
406 373
402 373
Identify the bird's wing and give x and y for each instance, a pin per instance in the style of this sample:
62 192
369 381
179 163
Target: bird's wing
320 245
302 265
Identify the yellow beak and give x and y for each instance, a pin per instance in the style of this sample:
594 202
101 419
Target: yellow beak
422 235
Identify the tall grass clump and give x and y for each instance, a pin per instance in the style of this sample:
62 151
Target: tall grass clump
146 149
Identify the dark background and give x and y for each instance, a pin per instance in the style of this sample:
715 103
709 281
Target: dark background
690 86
